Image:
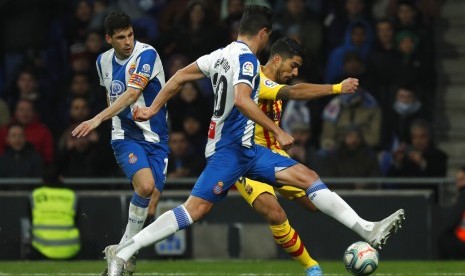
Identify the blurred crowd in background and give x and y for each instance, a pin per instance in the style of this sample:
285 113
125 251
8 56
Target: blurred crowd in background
49 83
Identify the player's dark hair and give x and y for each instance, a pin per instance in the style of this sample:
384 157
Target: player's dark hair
255 18
116 20
287 48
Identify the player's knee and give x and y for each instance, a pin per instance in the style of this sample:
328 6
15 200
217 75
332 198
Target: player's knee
145 189
276 216
305 174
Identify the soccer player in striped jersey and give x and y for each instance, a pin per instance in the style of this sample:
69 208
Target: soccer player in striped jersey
132 73
231 151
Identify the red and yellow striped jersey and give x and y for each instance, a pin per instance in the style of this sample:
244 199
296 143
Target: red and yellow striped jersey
272 108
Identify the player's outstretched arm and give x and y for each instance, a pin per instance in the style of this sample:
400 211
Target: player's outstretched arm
310 91
189 73
125 100
250 109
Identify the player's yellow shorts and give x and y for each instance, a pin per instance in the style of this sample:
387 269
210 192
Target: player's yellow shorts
251 189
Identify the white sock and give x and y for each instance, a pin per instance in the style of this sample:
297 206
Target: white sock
164 226
137 216
333 205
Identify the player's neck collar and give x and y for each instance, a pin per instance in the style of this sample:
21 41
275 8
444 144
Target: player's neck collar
240 41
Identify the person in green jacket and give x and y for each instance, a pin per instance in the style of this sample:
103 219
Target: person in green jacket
54 232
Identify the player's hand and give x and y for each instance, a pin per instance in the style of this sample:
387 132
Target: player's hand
284 139
349 85
141 114
86 127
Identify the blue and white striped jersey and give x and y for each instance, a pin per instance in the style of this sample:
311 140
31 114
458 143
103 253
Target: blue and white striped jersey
227 67
142 70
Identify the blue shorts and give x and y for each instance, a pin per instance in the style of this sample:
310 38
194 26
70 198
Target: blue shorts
133 156
228 164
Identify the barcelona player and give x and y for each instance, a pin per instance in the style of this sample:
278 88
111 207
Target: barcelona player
282 66
231 151
132 73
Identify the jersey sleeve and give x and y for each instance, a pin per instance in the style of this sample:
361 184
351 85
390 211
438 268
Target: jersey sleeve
248 69
203 63
98 64
268 88
144 70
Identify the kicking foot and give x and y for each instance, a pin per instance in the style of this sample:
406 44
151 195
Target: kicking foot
382 230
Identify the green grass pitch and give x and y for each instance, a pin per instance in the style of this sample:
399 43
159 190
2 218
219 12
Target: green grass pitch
226 268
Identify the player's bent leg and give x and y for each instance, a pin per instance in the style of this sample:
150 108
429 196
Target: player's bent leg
197 207
298 196
306 203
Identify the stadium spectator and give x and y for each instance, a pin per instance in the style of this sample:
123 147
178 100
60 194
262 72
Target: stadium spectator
452 239
340 17
4 113
360 109
300 21
94 45
79 59
420 158
19 158
382 63
100 9
353 158
358 39
54 208
81 86
230 23
28 88
183 161
82 157
37 133
78 112
174 10
189 100
79 23
25 29
195 131
296 113
195 34
415 67
398 117
303 150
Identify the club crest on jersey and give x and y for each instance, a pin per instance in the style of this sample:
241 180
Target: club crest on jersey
247 69
218 188
270 83
116 89
132 158
145 68
132 68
